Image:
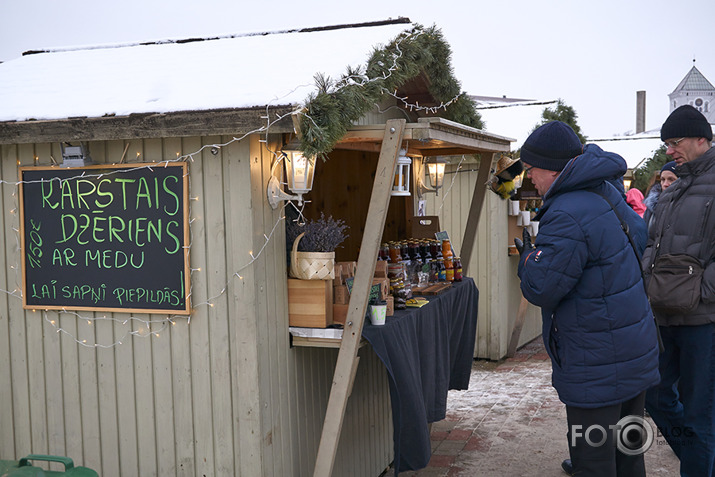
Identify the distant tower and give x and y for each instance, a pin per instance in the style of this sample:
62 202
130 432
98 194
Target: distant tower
640 111
696 91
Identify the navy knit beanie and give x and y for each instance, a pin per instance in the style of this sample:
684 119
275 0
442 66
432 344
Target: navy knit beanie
551 146
669 166
686 121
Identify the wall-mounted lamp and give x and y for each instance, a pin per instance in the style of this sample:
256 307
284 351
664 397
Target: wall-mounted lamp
628 179
75 156
401 184
435 171
299 171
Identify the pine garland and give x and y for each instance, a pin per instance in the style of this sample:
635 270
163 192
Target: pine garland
332 110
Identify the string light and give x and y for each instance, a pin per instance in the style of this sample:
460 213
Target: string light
451 184
145 329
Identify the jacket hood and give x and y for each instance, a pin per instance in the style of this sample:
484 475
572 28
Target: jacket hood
589 170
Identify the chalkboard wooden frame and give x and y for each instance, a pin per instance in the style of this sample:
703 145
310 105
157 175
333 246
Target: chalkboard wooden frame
162 189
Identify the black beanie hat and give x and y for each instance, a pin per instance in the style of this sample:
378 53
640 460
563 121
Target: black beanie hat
669 166
686 121
551 146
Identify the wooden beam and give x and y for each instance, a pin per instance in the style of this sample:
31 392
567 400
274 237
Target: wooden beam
232 122
346 365
470 231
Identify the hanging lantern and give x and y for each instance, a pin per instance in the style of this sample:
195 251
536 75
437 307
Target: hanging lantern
401 184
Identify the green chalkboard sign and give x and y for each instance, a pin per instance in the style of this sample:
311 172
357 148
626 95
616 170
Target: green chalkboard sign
110 237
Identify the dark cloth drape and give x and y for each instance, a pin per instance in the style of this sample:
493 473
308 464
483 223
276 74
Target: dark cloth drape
427 351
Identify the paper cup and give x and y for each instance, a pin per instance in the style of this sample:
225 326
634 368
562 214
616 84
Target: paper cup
513 207
378 314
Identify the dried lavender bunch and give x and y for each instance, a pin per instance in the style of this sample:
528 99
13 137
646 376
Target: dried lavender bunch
322 235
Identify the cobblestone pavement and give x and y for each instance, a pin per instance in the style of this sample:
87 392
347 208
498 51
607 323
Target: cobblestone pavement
511 423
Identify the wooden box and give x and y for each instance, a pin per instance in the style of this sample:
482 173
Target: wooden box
348 269
381 269
341 295
340 312
390 305
384 286
310 303
423 226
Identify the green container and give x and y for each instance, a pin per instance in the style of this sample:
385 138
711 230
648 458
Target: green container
23 468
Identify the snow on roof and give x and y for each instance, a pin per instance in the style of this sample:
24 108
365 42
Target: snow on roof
239 71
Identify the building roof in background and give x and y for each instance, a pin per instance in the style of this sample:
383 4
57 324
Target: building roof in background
694 81
635 149
510 117
237 71
518 117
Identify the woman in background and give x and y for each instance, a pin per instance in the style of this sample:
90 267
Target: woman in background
667 177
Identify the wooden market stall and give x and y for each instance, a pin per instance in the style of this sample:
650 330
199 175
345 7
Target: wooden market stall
203 381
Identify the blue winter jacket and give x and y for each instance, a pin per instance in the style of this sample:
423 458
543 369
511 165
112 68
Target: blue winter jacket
598 327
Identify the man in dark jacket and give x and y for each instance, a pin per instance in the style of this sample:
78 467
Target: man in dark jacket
584 274
682 405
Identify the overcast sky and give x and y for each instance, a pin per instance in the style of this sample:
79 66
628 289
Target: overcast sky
594 55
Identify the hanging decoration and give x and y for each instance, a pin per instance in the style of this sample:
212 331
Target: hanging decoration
507 177
337 104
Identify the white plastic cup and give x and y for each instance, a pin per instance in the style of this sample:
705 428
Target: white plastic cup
525 218
513 207
534 228
378 314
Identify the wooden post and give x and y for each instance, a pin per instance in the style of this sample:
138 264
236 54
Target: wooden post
346 365
470 230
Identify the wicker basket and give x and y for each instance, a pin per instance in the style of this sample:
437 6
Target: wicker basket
311 265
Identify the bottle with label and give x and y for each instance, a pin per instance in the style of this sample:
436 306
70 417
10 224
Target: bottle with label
441 271
449 273
457 264
446 249
394 253
447 258
426 255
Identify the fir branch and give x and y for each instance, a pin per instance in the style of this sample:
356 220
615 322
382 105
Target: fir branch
332 110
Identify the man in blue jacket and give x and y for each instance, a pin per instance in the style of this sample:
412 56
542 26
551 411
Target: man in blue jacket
583 272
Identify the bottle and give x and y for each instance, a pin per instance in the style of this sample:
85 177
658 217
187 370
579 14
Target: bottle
426 256
448 272
415 253
394 252
457 269
404 250
434 250
433 272
446 249
447 257
441 271
384 253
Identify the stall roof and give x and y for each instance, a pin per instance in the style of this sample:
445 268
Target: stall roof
429 137
205 86
238 71
171 88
